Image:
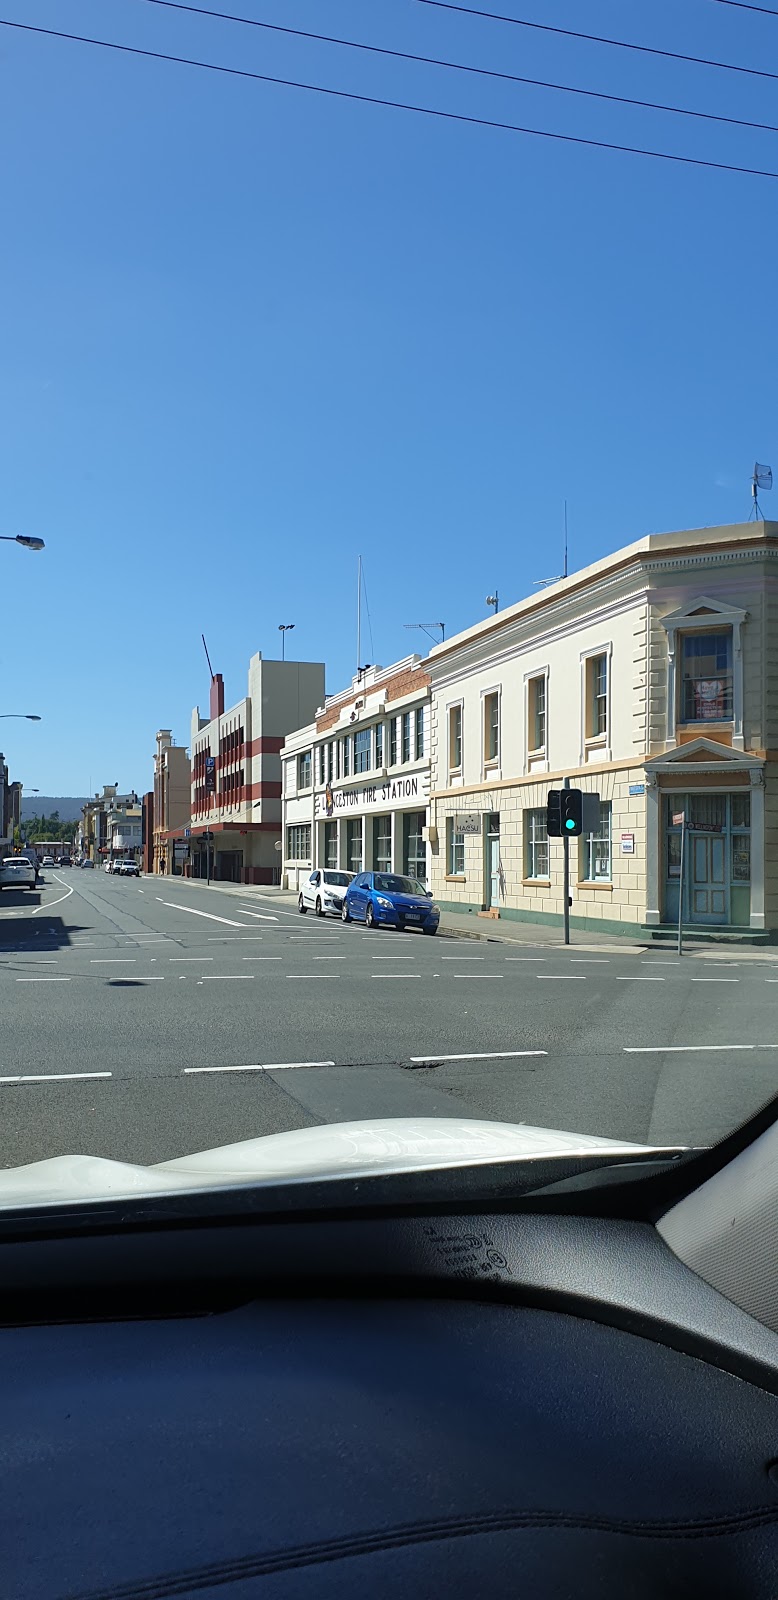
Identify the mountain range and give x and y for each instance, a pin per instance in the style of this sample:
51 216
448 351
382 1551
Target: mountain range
42 805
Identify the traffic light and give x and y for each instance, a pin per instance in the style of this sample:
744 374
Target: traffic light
554 814
572 813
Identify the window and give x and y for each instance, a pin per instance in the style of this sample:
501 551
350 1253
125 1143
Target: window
455 739
706 677
289 777
419 732
406 736
393 742
330 761
344 754
379 744
535 844
298 842
537 713
304 770
491 729
354 844
414 847
362 750
321 763
382 844
331 844
455 849
596 849
596 697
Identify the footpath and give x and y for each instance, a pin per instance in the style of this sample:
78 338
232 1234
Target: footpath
466 925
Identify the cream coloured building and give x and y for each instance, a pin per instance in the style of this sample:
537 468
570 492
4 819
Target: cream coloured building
651 678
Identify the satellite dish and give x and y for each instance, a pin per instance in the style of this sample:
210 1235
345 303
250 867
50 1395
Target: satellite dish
762 478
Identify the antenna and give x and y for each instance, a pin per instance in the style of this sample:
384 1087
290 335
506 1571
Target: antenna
359 611
425 628
493 600
564 574
207 657
543 583
761 478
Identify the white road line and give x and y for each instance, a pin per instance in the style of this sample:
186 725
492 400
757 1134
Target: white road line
259 914
316 958
586 961
260 958
561 977
463 958
267 1066
400 975
632 979
677 1049
55 1077
659 963
411 958
224 977
195 958
112 961
49 903
481 1055
228 921
296 937
43 980
526 958
473 975
715 980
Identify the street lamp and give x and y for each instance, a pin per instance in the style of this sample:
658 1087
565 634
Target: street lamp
24 539
24 716
284 628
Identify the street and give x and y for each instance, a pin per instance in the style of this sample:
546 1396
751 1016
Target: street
147 1019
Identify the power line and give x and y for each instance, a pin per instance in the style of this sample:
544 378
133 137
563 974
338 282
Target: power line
459 66
395 105
742 5
598 38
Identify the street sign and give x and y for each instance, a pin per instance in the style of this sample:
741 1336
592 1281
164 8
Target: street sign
628 844
637 788
678 817
187 833
277 845
210 774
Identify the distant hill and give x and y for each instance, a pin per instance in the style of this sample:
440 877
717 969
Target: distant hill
42 805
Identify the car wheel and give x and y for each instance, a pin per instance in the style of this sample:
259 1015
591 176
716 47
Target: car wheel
370 915
319 911
344 913
430 930
301 908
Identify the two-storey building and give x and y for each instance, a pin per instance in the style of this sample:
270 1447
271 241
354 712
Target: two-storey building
356 779
650 678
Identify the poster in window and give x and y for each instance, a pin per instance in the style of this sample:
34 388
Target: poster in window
709 699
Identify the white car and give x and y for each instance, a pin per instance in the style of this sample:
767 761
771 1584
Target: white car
48 861
323 891
16 872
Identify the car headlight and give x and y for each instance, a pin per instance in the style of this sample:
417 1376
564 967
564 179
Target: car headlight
433 907
381 901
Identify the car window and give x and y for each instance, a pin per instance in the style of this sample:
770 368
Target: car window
314 878
339 879
391 883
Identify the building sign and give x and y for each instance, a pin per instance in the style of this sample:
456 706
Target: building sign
637 788
678 817
374 796
628 844
467 822
210 774
180 849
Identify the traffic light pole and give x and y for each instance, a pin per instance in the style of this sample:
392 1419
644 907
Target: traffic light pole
566 873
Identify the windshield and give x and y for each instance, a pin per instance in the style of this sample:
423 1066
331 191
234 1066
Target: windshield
412 772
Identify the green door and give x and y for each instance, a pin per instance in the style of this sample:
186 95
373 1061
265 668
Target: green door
709 886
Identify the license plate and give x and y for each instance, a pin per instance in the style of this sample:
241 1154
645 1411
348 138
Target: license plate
413 916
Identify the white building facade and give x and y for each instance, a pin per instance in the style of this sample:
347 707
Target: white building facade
650 679
356 780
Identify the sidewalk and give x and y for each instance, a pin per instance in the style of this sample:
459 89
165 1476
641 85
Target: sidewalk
464 925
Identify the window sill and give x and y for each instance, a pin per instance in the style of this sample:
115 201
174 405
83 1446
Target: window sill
491 773
706 722
536 883
455 777
455 877
537 755
596 741
592 884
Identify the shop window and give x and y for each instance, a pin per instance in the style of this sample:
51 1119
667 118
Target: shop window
595 857
298 842
455 849
535 844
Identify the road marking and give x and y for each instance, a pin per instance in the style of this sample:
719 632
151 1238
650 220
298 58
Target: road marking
112 961
401 975
675 1049
463 958
500 975
656 963
300 977
43 980
259 914
223 977
413 958
480 1055
316 958
267 1066
525 958
194 913
715 980
309 936
586 961
54 1077
256 958
561 977
50 903
632 979
194 958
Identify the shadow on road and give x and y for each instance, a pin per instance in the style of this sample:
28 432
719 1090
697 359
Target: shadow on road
28 932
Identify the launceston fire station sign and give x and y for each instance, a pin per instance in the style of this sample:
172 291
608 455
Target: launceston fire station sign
375 796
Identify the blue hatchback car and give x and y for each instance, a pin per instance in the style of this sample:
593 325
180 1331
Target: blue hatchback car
385 899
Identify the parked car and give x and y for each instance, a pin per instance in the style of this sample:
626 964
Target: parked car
86 862
323 891
127 869
65 861
107 866
386 899
16 872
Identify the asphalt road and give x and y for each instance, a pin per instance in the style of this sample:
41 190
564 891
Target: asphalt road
146 1020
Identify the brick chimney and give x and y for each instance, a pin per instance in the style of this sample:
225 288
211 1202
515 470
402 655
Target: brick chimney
217 695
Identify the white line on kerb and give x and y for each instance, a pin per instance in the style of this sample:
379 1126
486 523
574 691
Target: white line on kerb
194 913
481 1055
55 1077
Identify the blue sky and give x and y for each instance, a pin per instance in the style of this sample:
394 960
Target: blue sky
249 333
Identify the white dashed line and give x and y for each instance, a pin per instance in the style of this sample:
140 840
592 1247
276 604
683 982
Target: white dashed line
463 958
224 977
561 977
525 958
268 1066
54 1077
715 980
480 1055
395 975
43 980
112 961
631 979
195 958
228 921
260 915
676 1049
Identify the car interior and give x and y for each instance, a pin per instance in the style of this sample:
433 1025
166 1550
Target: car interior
545 1379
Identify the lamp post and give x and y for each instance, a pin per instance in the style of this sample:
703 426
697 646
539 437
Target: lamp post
284 628
24 539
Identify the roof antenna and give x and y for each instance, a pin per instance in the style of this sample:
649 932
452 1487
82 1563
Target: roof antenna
425 628
207 657
761 478
543 583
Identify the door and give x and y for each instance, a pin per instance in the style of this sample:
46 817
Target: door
493 862
708 888
358 897
310 886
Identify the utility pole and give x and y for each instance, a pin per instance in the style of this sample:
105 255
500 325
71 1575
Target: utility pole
566 873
